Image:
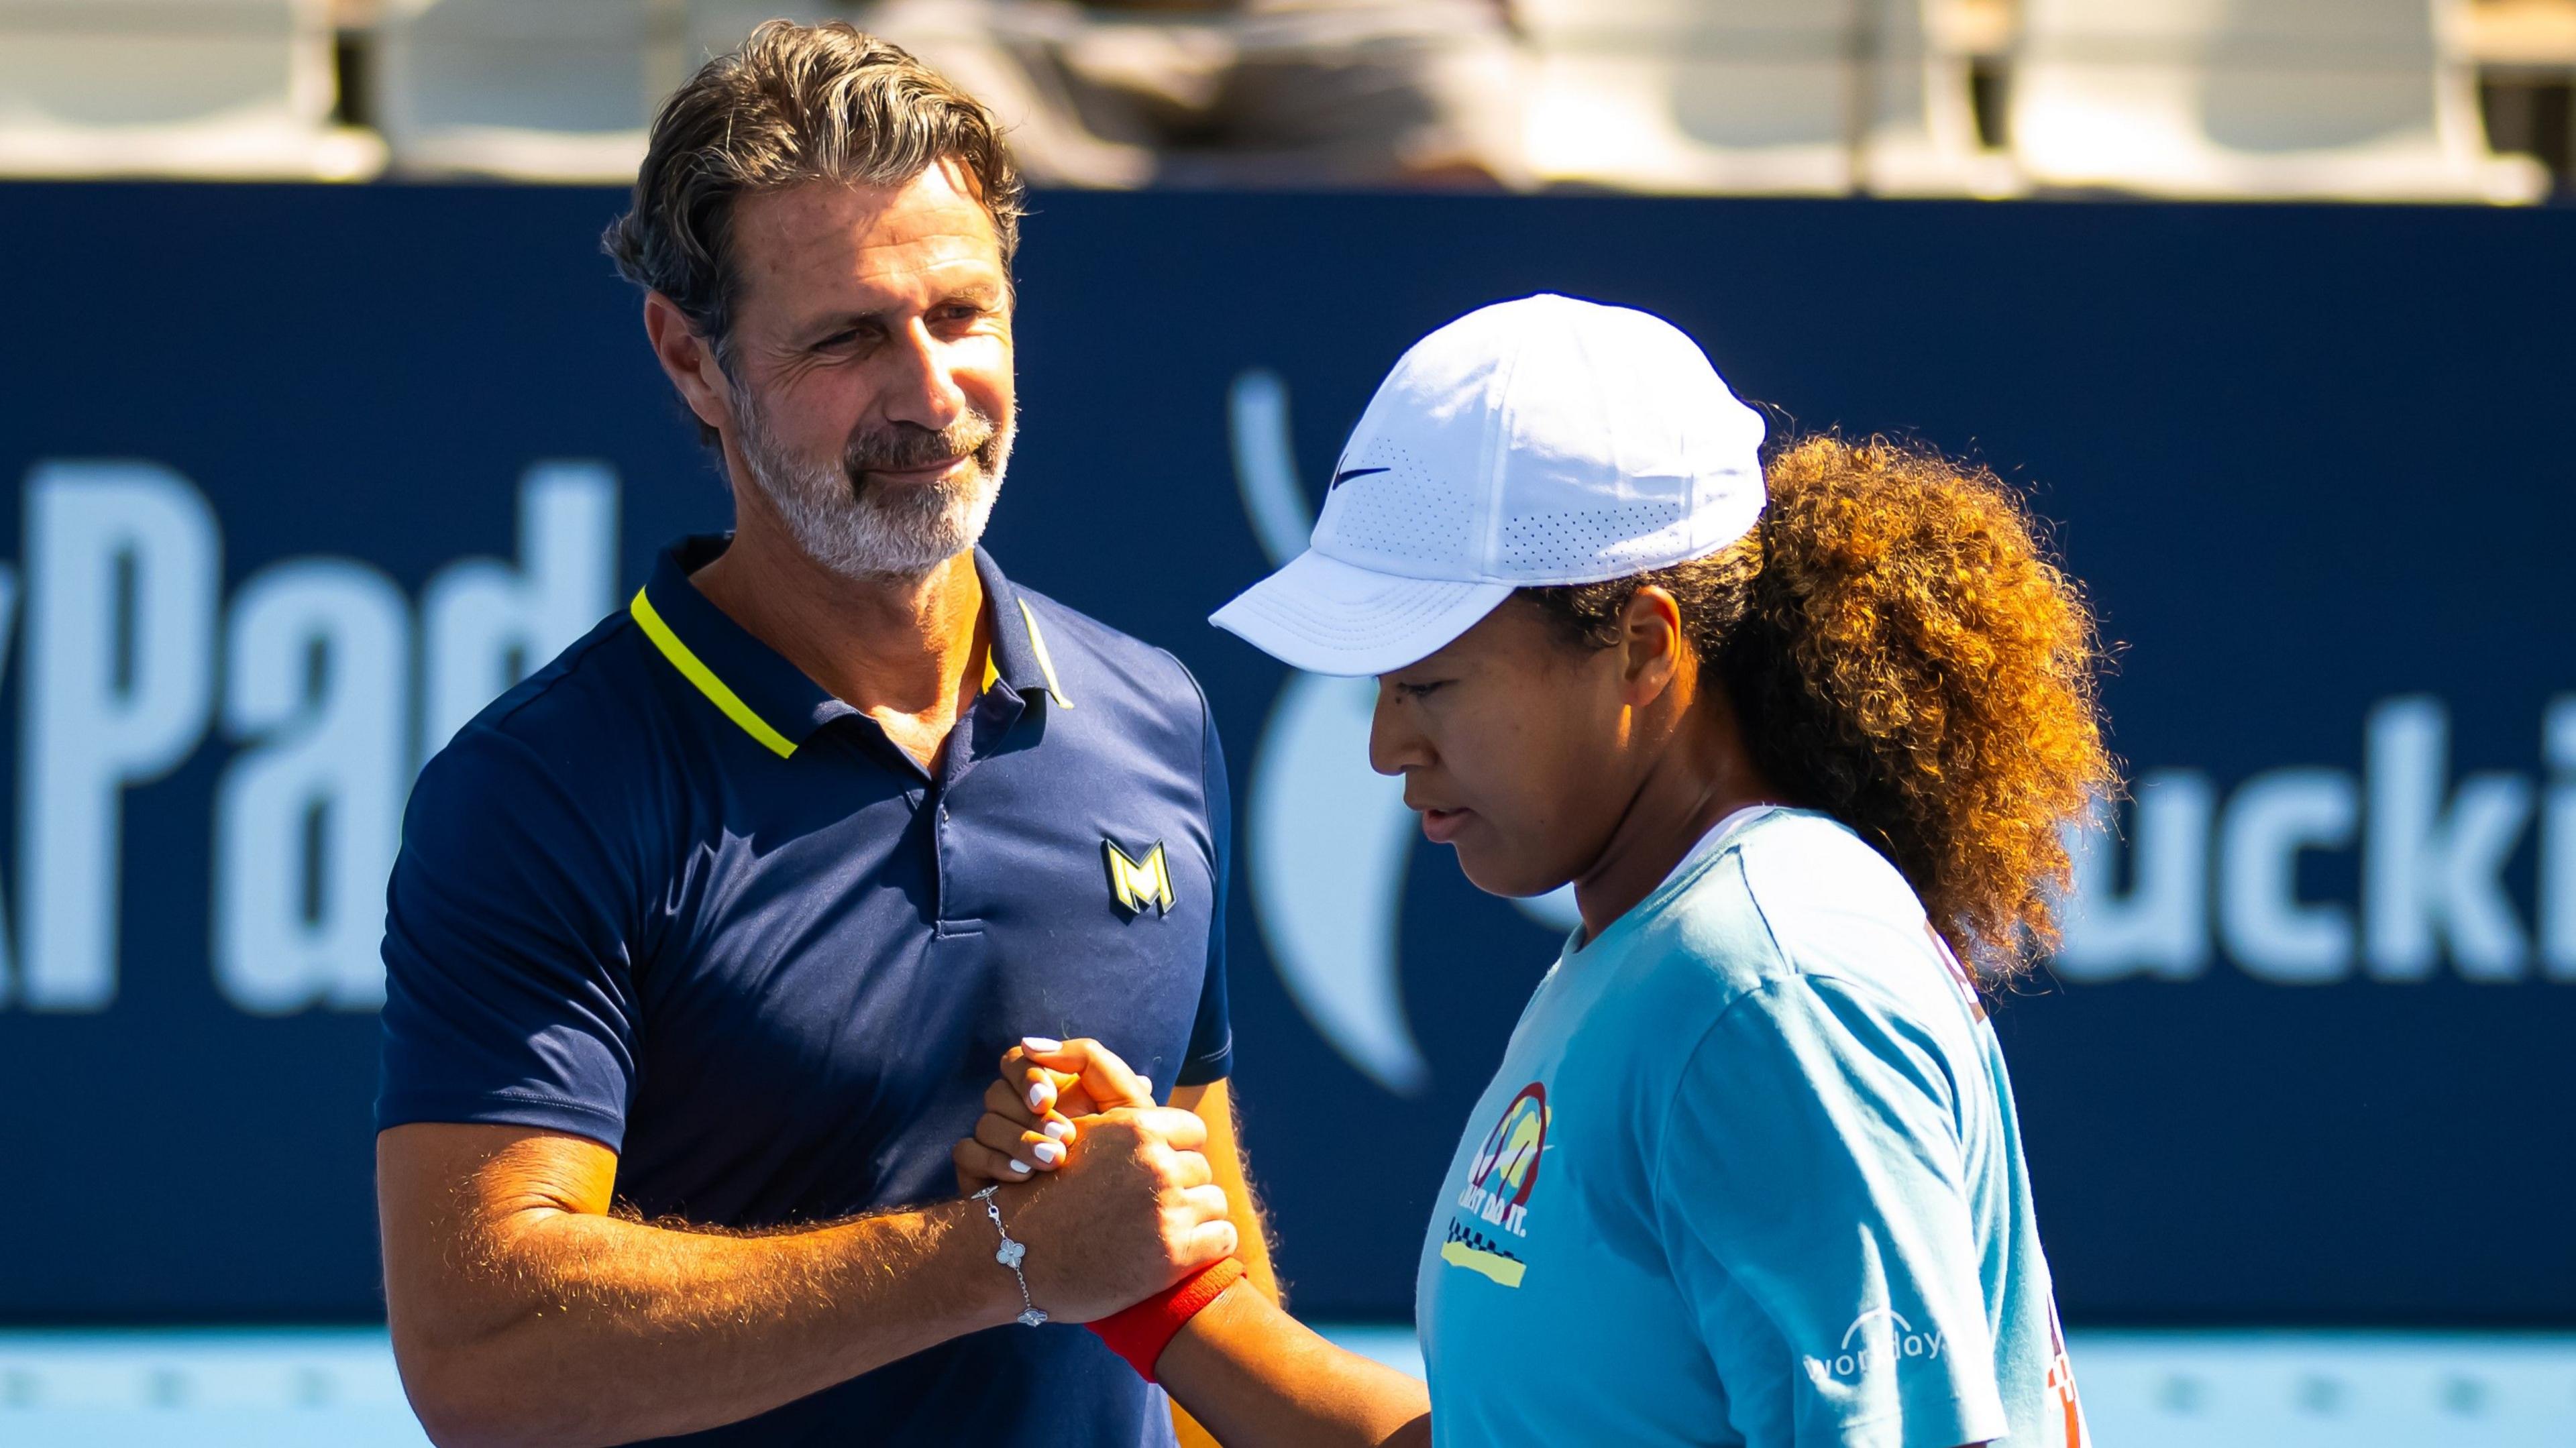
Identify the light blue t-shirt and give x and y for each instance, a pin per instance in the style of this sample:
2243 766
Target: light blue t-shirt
1749 1174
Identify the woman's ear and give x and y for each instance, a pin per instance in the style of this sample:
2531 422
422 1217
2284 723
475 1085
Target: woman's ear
1650 642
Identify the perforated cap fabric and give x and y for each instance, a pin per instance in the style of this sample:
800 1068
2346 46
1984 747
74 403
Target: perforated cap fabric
1533 442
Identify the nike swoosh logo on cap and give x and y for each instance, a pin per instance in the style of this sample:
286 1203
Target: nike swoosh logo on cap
1347 474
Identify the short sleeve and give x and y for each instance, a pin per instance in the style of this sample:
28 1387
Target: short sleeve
508 993
1211 1053
1811 1202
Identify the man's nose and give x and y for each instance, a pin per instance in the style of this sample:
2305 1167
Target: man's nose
923 389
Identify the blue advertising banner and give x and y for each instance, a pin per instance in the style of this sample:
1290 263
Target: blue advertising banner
305 475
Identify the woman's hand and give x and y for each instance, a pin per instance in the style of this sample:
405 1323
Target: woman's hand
1031 1115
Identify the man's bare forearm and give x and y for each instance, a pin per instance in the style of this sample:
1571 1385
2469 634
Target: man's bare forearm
1258 1378
589 1329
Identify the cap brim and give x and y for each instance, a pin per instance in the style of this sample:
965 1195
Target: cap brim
1329 617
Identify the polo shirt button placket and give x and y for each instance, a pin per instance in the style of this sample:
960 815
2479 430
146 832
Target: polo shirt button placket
939 866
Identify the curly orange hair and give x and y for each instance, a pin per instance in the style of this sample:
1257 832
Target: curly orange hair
1904 655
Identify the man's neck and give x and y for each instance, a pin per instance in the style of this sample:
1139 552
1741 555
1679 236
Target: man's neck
907 652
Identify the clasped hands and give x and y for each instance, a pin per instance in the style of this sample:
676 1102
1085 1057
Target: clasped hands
1134 1211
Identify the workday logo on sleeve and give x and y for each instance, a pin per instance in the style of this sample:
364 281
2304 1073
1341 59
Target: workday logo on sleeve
1878 1339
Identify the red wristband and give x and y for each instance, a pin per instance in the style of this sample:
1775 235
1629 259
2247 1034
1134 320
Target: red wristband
1140 1333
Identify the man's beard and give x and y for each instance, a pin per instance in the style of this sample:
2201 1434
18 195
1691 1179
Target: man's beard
860 527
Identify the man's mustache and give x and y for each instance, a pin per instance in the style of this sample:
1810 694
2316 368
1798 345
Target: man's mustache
905 446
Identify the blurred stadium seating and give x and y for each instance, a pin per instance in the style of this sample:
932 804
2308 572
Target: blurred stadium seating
2464 100
1936 124
2319 98
558 91
1694 95
229 88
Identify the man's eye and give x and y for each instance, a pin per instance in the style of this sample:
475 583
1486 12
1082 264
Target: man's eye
1420 691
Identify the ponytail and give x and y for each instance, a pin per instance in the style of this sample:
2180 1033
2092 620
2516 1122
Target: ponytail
1903 655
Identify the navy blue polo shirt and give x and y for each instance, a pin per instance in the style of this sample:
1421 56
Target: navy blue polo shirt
671 895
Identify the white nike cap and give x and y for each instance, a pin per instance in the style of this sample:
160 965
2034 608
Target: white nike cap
1533 442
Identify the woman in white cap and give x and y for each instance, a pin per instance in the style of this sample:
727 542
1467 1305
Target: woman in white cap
1749 1172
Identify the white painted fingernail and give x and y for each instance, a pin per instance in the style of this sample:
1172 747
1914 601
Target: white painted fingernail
1147 1084
1039 1095
1019 1167
1043 1045
1059 1130
1048 1153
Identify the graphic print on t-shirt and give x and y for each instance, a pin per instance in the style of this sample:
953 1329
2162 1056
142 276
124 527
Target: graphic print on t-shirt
1496 1198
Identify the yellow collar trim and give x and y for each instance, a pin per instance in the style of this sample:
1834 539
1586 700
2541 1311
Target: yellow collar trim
699 674
1046 661
694 669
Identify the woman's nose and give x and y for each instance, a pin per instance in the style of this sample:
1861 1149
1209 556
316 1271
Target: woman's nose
1395 743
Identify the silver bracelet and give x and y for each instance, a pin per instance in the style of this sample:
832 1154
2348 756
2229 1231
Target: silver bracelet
1009 1255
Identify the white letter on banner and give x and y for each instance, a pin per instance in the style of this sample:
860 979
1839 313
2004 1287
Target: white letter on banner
2268 932
122 564
2161 927
307 820
488 625
2427 869
2558 842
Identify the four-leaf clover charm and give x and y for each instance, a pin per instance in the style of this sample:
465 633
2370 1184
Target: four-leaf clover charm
1010 1255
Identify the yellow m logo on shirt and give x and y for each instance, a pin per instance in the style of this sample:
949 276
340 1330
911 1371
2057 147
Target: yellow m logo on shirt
1139 883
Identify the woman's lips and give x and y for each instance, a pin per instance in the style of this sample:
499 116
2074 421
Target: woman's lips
1440 826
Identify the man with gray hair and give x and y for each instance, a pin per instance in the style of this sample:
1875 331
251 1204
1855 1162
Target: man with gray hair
705 939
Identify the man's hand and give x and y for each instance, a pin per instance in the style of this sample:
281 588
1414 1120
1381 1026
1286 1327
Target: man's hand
1136 1214
1146 1213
